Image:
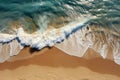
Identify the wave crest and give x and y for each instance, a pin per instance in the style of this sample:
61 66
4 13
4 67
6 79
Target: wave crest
74 38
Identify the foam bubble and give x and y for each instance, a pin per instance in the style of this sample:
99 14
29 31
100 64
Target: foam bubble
14 43
91 37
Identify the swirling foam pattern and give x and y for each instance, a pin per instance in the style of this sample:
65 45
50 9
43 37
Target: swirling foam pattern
45 23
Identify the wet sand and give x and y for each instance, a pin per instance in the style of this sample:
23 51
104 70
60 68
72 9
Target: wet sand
53 64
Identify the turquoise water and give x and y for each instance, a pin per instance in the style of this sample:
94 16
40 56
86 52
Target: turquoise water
75 24
40 14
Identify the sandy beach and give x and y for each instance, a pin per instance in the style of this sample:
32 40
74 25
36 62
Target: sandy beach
72 40
53 64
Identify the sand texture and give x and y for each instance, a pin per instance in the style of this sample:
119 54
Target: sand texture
53 64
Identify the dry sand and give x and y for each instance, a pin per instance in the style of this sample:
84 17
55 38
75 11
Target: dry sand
53 64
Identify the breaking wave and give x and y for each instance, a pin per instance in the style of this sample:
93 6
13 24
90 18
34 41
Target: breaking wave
80 24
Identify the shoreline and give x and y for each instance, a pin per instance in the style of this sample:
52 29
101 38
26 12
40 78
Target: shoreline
84 38
54 64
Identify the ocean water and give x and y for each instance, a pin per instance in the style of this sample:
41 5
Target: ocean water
35 15
45 23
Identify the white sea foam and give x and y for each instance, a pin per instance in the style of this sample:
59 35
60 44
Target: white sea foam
12 44
101 40
9 49
74 38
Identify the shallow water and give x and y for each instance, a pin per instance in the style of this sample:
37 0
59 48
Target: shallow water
35 15
44 23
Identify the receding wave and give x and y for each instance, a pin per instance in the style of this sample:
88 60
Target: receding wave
60 23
